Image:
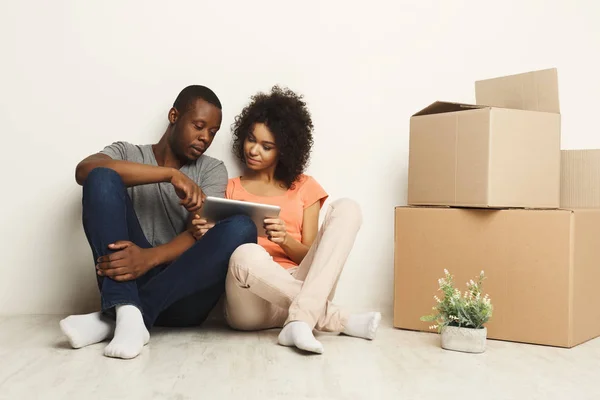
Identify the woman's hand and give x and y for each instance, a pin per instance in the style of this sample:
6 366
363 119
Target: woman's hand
199 227
276 231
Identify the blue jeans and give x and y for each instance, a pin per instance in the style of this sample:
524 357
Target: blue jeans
181 293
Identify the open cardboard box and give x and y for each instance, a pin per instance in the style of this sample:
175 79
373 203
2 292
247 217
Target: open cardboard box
503 152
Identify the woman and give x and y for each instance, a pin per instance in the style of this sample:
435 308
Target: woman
288 280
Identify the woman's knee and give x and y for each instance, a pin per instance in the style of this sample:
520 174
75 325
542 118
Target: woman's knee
246 257
347 209
248 253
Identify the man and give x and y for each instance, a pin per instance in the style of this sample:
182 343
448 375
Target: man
138 202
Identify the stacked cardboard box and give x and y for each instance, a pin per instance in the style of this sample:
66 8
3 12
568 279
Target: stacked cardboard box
484 193
580 179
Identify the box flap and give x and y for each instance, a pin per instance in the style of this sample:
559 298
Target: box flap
531 91
440 107
432 158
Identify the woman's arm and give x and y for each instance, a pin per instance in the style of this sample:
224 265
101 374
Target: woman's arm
296 250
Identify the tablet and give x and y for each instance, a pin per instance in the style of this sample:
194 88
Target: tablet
216 209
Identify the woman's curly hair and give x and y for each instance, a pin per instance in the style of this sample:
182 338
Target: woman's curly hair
286 115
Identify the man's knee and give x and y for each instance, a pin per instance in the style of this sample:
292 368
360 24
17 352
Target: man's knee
241 229
103 175
102 183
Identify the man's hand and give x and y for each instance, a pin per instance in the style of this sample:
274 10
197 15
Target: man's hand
127 263
192 197
276 231
199 227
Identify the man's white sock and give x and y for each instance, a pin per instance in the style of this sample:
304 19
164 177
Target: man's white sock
84 330
131 334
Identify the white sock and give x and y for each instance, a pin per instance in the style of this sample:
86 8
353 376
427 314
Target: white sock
363 325
87 329
131 334
299 334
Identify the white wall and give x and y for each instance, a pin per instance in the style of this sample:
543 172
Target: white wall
77 75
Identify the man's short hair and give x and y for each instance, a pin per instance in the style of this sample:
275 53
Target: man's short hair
187 97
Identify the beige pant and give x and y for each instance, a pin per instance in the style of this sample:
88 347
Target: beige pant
260 294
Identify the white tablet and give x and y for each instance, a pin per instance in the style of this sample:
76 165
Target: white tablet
216 209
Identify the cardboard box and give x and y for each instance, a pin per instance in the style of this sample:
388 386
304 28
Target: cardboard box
580 179
542 268
486 156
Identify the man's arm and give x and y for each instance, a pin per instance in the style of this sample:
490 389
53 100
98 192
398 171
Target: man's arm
129 261
133 174
168 252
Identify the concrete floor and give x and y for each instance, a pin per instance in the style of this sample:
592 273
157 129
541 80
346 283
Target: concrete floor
216 363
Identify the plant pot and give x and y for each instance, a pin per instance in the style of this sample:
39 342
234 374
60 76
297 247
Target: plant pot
467 340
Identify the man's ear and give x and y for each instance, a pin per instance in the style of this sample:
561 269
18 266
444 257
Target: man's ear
173 115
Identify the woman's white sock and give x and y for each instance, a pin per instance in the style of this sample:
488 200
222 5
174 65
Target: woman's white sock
363 325
299 334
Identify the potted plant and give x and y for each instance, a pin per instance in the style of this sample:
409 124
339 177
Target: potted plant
460 317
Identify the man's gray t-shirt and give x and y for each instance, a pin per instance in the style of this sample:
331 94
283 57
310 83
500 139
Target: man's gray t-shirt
157 205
